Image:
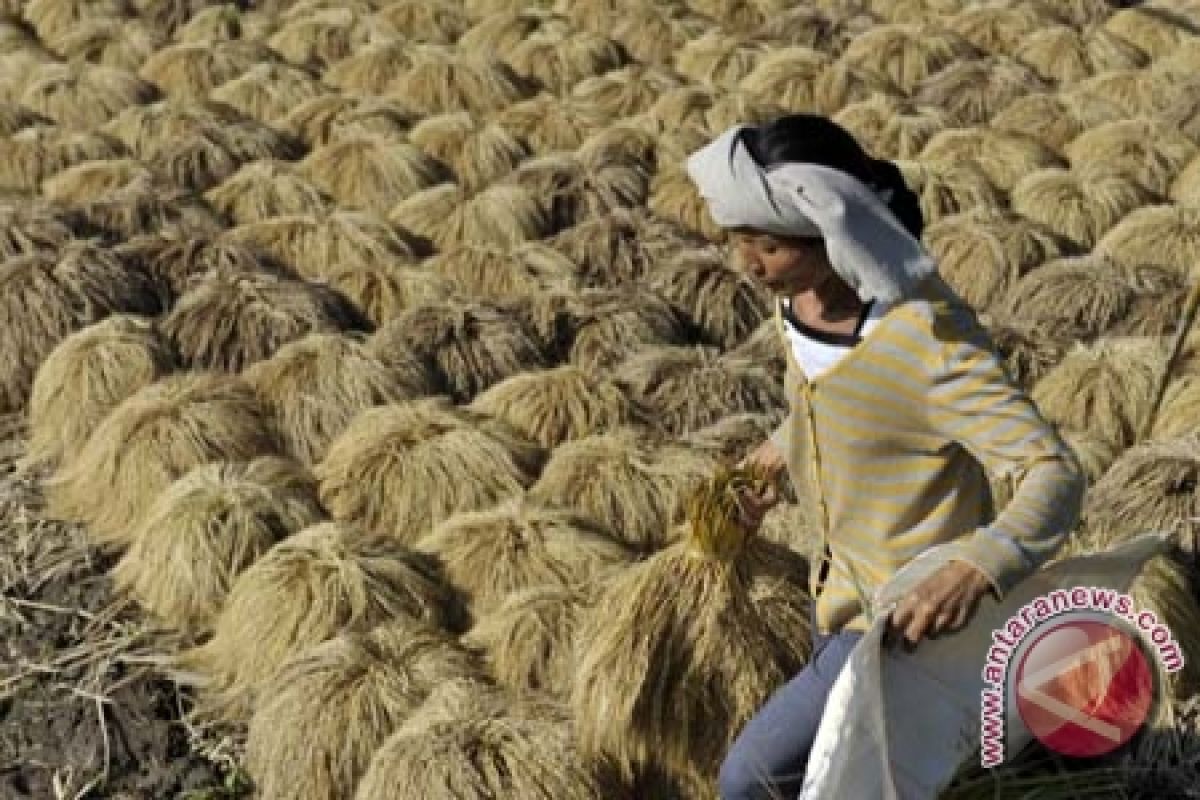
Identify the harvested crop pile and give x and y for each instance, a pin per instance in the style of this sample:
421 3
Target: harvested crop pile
143 208
84 96
785 77
1064 55
1027 349
954 188
1085 296
1144 150
332 706
1095 453
730 438
502 215
722 304
313 387
674 196
152 439
91 180
264 189
175 260
622 246
559 62
1179 414
188 71
973 91
889 127
571 190
499 273
441 80
1004 157
123 44
719 59
205 529
428 21
229 319
625 92
547 124
200 158
1162 235
322 36
905 55
34 154
1078 206
383 293
87 375
617 324
27 229
682 648
327 580
477 152
369 173
399 470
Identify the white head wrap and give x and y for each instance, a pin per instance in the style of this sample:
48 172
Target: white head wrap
867 245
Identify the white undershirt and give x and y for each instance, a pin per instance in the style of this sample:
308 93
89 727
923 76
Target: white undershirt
815 357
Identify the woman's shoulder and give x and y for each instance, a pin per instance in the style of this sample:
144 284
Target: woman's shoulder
937 318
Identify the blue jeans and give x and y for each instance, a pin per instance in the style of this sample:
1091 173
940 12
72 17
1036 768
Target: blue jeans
769 756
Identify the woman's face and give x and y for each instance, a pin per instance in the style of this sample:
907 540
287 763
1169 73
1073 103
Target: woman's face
785 265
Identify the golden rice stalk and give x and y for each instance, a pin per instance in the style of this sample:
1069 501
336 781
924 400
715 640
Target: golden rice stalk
123 44
142 208
205 529
1155 34
190 70
1079 207
1157 305
1181 61
498 273
51 18
27 229
905 55
32 155
743 16
477 152
174 261
1095 453
551 317
1185 190
1028 349
1004 157
619 323
323 37
1166 236
152 439
654 32
764 346
1106 388
519 545
1119 94
719 302
223 23
630 486
571 190
372 68
621 246
674 196
425 21
383 293
229 319
268 91
327 118
684 647
92 180
734 435
913 11
557 405
889 127
85 377
1085 296
399 470
1064 55
548 124
950 188
982 253
370 174
329 579
802 26
15 118
528 640
203 157
1142 149
998 28
786 76
471 346
332 706
146 129
442 80
1045 116
842 84
1179 415
314 386
557 63
973 91
1167 588
264 189
478 746
312 245
19 68
710 109
502 215
502 32
718 58
625 92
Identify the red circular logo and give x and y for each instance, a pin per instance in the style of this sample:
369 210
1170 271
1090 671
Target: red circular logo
1084 688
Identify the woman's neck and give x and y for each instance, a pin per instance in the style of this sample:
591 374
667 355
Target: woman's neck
830 305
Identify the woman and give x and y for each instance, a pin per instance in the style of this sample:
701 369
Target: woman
898 407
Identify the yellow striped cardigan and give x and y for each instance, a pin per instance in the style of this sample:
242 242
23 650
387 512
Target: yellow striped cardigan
891 447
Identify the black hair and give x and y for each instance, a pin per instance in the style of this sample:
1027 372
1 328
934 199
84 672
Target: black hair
812 139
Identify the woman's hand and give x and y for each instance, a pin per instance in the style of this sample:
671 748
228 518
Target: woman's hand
942 603
755 505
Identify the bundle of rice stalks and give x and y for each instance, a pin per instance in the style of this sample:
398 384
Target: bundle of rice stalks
329 117
31 155
674 196
383 293
268 92
173 260
314 386
528 641
1185 189
684 647
122 44
518 545
1106 388
369 173
205 529
547 124
1095 454
629 485
621 246
1148 29
204 157
1157 304
371 69
468 742
764 347
802 26
720 302
557 405
1065 55
889 127
477 152
706 109
982 253
142 208
497 274
503 32
1084 296
1028 349
733 436
913 10
1142 149
425 21
719 59
470 345
46 296
743 16
229 318
226 22
87 375
1004 157
618 323
950 188
842 84
442 80
189 71
327 580
316 243
502 215
1167 236
399 470
625 92
323 37
1179 414
973 91
1045 116
26 230
264 189
152 439
1080 207
905 55
998 28
15 117
51 18
787 76
1120 94
331 707
684 389
92 180
146 129
571 190
557 63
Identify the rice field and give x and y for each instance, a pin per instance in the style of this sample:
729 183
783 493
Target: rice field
371 372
